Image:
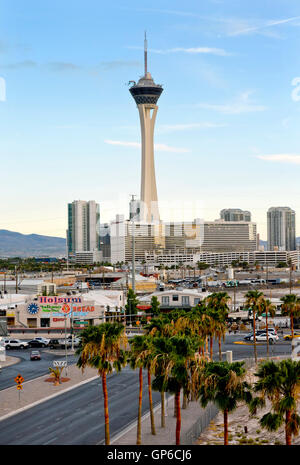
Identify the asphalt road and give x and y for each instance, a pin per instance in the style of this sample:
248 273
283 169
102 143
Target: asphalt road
76 417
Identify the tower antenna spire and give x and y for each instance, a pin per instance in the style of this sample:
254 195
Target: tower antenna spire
145 52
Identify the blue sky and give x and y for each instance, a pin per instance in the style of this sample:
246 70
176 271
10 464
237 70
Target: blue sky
227 130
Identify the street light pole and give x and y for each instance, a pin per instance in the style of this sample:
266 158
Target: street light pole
66 354
133 252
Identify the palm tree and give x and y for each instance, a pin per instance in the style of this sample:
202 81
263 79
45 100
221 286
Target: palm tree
290 307
174 356
217 304
102 348
137 346
141 356
268 308
224 384
254 301
279 383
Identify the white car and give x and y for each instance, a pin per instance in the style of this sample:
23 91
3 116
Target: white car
15 344
263 337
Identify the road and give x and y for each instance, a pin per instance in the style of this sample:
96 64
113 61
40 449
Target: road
76 417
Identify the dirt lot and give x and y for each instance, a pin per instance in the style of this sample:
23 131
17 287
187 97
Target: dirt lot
238 421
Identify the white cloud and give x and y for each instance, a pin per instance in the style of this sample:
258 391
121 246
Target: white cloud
290 158
242 104
158 147
191 50
259 28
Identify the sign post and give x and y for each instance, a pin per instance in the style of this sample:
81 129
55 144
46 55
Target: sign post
19 380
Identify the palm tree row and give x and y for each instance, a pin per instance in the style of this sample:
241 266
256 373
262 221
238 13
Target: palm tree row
172 351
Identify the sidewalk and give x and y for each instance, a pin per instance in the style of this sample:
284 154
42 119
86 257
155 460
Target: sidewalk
190 425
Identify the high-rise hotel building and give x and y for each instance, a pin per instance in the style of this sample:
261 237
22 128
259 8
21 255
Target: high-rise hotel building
83 232
281 228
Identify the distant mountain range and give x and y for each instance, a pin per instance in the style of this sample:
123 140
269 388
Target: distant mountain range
14 244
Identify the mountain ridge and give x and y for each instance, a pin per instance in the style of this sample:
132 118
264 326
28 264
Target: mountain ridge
15 244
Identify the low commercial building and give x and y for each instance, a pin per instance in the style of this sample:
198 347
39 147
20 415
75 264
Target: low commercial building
53 312
173 299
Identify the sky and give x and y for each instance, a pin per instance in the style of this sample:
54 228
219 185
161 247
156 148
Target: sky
227 129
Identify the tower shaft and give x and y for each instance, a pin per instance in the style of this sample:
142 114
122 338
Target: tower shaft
149 201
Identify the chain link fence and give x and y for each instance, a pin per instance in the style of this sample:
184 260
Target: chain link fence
205 417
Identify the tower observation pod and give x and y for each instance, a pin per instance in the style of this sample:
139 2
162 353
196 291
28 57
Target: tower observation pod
146 94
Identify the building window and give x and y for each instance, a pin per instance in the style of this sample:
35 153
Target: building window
45 322
185 300
175 298
196 301
165 300
31 323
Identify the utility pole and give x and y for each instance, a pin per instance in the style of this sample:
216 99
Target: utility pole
16 273
133 251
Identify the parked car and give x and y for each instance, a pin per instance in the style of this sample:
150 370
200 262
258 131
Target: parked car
42 339
15 344
54 344
59 343
37 343
35 355
288 337
263 337
76 341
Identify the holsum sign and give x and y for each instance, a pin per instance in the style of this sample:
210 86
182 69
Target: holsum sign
64 306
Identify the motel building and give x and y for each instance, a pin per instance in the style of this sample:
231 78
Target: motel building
30 313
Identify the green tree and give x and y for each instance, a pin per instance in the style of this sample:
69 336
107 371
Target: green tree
141 357
268 308
131 305
102 347
254 301
224 384
290 307
217 304
155 305
279 383
174 355
135 361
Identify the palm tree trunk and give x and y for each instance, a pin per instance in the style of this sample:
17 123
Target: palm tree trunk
225 427
254 338
106 416
184 401
139 424
178 416
288 437
267 333
211 347
220 349
162 418
292 325
151 404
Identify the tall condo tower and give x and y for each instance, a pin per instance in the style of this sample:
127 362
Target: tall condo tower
146 93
